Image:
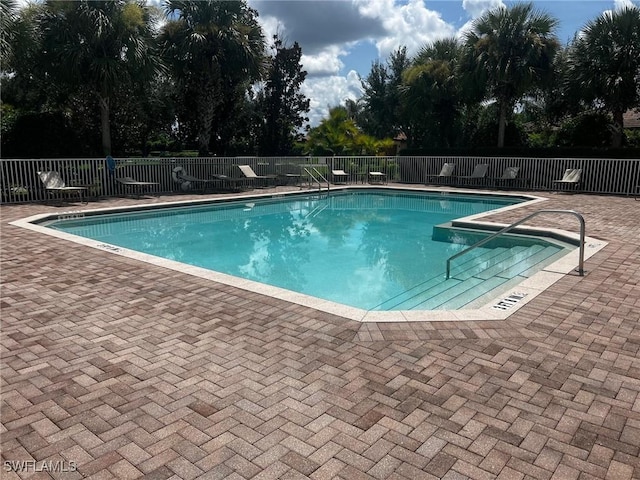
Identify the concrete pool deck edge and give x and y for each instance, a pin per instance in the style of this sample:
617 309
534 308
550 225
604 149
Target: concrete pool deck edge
499 307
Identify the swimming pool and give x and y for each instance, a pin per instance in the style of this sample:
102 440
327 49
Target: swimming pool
370 249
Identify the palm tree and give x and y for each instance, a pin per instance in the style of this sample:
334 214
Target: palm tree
213 46
604 64
8 9
430 93
98 45
336 135
510 51
20 56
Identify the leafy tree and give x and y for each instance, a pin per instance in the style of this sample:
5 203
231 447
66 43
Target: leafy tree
398 62
604 64
281 106
509 51
355 109
339 135
589 129
142 115
482 128
24 81
430 93
215 49
376 120
382 115
8 14
99 45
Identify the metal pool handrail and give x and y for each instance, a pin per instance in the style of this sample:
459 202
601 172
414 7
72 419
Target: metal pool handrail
317 172
519 222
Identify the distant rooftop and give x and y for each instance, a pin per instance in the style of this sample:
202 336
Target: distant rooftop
631 118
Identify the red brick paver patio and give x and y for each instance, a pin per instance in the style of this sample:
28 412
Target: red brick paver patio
122 369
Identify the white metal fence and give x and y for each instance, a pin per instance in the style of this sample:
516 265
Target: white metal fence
20 182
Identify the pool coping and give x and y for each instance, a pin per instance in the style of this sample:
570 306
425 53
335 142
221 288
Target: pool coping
498 308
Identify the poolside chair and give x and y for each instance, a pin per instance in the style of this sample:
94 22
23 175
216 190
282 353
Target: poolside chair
377 177
249 174
479 172
188 182
445 173
289 174
134 186
53 183
227 183
339 176
571 177
509 177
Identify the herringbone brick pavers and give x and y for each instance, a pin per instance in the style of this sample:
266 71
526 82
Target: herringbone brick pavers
129 370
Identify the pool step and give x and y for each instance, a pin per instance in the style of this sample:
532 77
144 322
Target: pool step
483 260
520 263
501 275
393 302
483 257
487 270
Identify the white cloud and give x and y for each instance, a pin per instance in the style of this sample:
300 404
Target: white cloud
330 91
411 25
270 27
326 62
327 31
618 4
475 8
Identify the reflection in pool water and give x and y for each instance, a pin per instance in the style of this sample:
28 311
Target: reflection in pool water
357 248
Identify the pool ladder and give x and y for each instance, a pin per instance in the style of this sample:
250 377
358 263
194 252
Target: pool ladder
580 268
310 174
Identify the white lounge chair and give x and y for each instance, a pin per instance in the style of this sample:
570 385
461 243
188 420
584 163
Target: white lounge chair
509 177
377 177
53 183
339 176
571 177
248 172
445 172
479 172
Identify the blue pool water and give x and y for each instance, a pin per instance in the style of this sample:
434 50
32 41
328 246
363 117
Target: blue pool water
368 249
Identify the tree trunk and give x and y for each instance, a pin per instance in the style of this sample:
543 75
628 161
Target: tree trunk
502 123
105 125
207 103
618 129
204 132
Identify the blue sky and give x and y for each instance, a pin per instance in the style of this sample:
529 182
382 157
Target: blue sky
340 39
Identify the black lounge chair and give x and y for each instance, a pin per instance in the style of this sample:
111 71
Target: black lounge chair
289 174
189 182
227 183
134 186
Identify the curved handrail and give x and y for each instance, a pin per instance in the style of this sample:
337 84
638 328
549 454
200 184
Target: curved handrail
519 222
317 172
